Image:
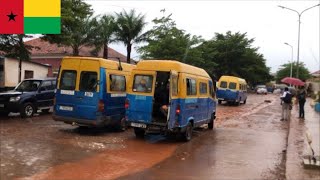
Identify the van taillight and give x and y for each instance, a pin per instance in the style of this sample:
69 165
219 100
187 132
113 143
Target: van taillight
178 109
101 106
126 105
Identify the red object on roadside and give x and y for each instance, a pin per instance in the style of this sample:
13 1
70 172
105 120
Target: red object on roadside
292 81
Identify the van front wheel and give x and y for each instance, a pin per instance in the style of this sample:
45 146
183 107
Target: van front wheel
211 123
139 132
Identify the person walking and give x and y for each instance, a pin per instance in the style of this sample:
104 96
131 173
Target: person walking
302 94
286 101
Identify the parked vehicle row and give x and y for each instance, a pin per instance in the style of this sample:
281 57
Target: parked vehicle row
154 96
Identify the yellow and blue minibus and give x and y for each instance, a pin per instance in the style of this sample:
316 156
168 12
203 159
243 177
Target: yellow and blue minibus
232 90
190 98
91 91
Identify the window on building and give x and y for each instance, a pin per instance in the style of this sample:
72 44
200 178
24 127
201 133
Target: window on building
28 74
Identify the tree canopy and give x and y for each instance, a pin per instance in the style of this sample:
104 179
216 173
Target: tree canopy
13 46
77 26
284 71
128 29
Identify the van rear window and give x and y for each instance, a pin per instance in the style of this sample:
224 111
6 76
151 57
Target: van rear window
232 85
142 83
88 81
223 84
68 80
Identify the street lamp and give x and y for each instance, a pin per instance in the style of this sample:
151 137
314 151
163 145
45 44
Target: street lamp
291 58
299 14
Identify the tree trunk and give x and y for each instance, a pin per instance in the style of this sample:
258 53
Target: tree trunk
105 51
75 50
20 63
128 53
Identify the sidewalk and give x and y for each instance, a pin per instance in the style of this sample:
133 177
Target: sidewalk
298 146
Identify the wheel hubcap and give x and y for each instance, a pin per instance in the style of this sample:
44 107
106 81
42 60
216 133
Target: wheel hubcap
28 110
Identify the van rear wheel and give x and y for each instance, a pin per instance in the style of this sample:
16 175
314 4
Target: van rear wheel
139 132
188 132
211 123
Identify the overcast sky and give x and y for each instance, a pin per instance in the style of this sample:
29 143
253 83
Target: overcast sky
264 21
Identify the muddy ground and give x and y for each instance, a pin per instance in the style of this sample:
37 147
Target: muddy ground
248 142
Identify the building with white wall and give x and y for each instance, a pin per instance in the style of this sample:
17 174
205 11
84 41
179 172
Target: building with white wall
9 71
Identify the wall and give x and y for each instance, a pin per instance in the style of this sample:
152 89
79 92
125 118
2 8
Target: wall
2 73
11 70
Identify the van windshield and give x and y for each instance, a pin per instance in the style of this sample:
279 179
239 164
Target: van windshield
223 84
142 83
68 80
232 85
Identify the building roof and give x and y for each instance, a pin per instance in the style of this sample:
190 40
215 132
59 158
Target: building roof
317 73
43 48
40 64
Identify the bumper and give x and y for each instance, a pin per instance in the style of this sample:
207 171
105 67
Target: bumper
10 107
157 127
99 122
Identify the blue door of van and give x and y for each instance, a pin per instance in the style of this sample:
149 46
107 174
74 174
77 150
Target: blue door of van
141 99
174 107
191 106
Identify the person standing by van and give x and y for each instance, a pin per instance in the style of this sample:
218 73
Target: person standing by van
302 100
286 104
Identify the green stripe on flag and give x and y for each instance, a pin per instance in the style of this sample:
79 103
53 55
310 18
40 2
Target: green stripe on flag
42 25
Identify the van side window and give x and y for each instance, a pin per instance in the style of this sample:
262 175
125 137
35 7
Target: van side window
191 87
211 90
68 80
223 84
88 81
117 83
203 88
232 85
174 85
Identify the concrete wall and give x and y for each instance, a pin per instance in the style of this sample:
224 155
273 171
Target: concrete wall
11 71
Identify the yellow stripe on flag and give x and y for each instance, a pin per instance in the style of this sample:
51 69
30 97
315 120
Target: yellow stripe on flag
42 8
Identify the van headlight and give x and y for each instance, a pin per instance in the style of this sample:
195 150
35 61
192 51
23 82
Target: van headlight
15 99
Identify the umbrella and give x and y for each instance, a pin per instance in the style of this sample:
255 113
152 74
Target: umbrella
292 81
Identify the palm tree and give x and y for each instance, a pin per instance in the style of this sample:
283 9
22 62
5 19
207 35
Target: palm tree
105 30
128 29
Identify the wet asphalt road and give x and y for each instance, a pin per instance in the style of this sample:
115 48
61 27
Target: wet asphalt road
247 143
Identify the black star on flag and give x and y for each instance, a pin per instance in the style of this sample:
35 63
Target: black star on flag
11 16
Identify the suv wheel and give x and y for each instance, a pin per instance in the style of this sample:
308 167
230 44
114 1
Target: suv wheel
4 114
27 110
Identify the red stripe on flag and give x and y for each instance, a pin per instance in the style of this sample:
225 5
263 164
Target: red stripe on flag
11 16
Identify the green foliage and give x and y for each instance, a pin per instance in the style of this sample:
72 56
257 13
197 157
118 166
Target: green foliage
14 47
77 28
129 28
284 71
166 41
104 32
232 54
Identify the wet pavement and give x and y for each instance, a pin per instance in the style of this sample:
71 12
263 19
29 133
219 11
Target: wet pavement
247 143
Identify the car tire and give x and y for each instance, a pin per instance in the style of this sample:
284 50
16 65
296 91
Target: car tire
27 110
245 101
219 101
188 133
139 132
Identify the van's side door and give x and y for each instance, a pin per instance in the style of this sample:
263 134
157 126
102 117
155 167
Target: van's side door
174 101
191 106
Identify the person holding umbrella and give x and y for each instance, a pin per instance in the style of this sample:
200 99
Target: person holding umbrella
302 94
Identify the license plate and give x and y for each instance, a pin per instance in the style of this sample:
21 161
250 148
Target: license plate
139 125
66 108
2 105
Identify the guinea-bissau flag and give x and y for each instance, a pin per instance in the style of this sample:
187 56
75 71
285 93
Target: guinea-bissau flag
30 16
